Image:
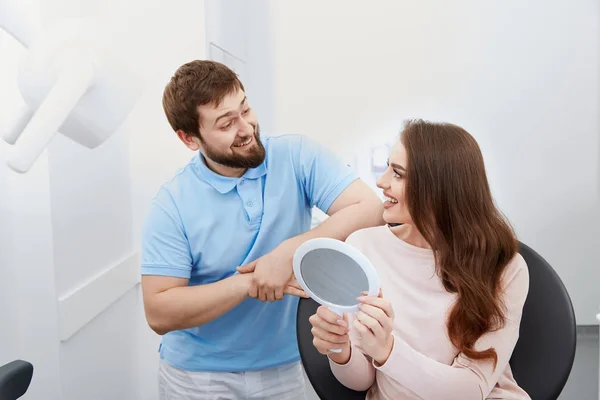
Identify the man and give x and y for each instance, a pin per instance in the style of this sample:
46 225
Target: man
229 331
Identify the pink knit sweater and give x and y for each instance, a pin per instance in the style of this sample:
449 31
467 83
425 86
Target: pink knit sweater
423 363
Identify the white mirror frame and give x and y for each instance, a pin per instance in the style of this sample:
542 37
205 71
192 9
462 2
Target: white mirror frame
350 251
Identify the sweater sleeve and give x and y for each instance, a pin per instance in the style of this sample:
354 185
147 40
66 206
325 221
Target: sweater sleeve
358 373
465 378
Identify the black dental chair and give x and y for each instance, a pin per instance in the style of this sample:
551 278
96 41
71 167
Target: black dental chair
15 378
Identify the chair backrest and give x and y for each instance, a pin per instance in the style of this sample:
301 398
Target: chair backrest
542 359
15 378
544 355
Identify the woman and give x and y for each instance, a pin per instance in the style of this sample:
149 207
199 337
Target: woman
453 285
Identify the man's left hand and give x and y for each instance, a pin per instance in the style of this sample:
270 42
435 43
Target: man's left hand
272 274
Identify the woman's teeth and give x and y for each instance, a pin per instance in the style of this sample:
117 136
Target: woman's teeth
245 143
390 200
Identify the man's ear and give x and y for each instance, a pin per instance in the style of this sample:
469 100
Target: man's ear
192 142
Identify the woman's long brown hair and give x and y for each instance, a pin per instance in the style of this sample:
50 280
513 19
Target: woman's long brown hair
450 203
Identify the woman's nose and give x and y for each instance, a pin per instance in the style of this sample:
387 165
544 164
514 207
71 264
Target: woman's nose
382 183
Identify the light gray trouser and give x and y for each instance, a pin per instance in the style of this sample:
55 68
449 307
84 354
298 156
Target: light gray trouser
282 383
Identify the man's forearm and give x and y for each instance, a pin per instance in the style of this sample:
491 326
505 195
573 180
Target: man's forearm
191 306
344 222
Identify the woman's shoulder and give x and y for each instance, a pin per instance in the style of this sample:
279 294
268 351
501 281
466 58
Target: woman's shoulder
366 236
515 278
381 240
516 269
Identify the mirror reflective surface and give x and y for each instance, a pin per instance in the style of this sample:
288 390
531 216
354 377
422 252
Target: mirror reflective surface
333 276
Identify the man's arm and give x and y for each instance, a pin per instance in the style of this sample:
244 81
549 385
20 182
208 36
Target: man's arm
357 207
170 304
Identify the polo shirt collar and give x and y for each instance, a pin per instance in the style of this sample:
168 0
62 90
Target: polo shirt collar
224 184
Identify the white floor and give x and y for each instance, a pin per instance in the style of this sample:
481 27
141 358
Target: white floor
583 381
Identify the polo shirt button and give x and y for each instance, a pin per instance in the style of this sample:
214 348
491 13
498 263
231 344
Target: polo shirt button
249 204
241 182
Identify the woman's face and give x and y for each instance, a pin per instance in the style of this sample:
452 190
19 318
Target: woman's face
392 183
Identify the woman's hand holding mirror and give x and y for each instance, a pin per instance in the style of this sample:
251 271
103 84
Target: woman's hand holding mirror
330 333
374 324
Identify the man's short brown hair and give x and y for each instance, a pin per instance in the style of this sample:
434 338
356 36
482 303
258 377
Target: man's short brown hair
194 84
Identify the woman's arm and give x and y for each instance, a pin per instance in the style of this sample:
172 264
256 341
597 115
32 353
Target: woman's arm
349 365
356 373
465 378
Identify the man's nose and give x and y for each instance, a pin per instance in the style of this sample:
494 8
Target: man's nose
246 127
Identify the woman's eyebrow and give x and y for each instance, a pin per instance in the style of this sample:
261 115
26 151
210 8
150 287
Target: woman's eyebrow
397 166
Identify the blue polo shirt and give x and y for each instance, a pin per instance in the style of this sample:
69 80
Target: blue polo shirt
203 225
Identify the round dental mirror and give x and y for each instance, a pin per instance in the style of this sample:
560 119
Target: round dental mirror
334 274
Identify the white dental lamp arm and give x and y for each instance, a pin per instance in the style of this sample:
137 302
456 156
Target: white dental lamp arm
71 85
71 82
17 22
17 125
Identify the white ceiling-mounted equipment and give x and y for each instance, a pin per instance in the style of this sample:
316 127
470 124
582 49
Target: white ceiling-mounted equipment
71 83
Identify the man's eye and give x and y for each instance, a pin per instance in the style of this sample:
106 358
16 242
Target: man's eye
246 111
226 126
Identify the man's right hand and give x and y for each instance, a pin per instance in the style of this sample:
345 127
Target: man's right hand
292 286
330 332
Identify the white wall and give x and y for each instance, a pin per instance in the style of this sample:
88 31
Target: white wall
9 315
29 312
8 318
76 217
522 77
242 34
31 302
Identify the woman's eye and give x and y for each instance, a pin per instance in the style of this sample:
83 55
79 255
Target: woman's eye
397 175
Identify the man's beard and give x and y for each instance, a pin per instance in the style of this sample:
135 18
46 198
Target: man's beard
252 159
